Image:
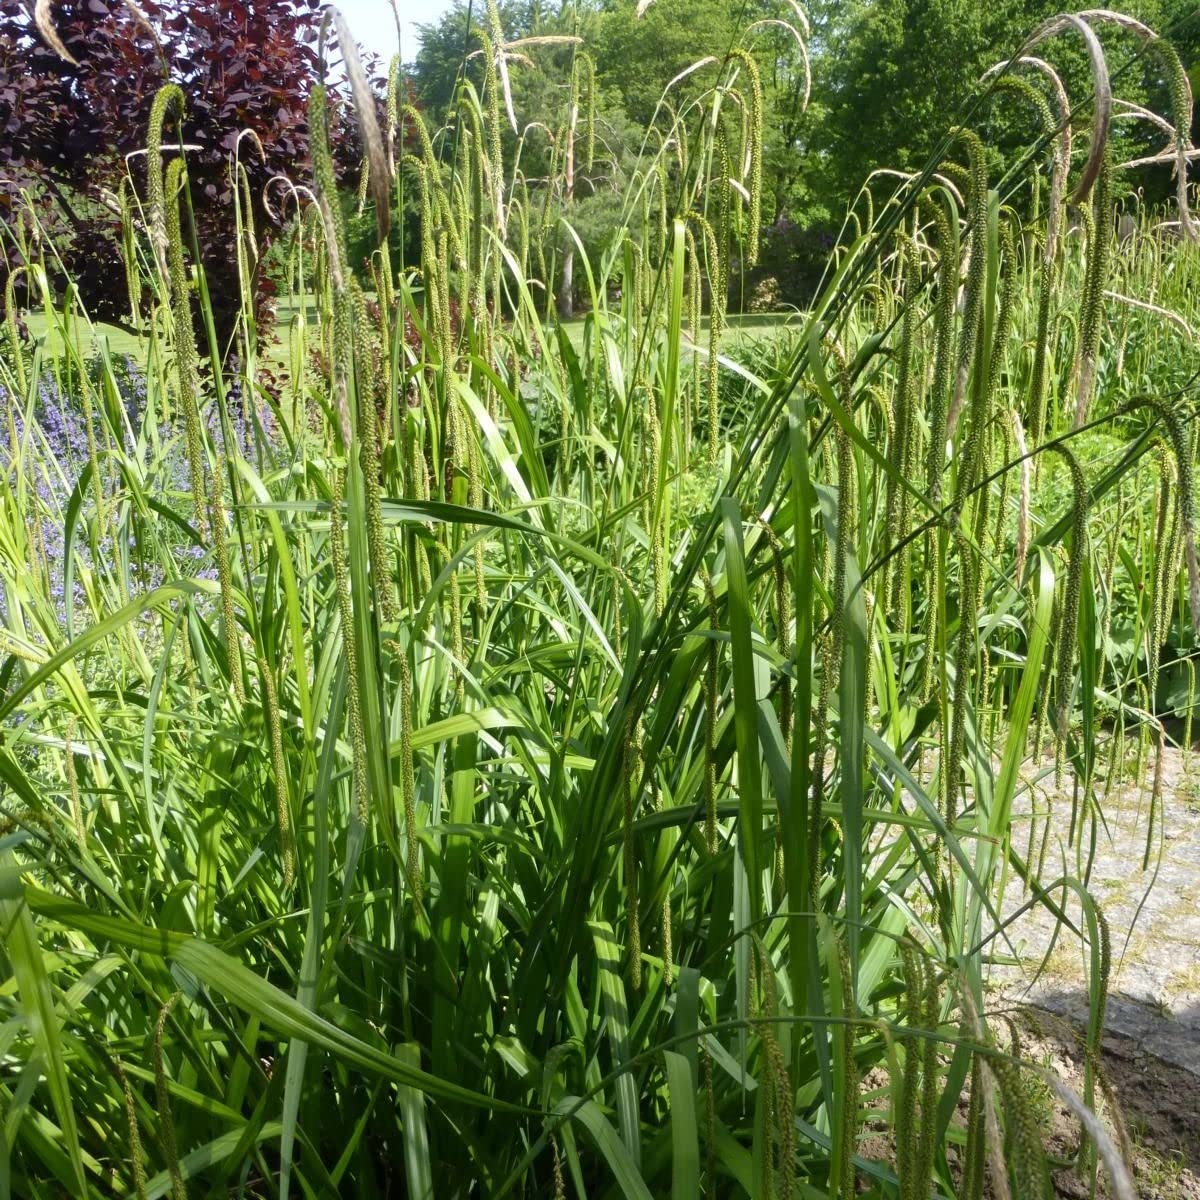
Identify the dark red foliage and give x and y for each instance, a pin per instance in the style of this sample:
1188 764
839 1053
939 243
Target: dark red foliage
243 64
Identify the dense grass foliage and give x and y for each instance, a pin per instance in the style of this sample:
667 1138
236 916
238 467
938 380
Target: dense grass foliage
486 758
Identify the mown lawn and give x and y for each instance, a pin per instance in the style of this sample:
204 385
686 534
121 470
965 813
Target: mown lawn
88 336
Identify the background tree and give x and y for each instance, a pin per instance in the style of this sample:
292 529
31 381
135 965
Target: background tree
888 78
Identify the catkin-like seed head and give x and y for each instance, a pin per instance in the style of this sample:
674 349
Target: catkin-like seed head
1092 308
185 344
977 199
163 1098
168 99
754 134
631 774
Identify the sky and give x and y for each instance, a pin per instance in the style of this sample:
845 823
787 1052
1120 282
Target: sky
375 26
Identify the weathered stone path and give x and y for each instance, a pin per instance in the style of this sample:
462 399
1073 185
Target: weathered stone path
1151 1051
1153 917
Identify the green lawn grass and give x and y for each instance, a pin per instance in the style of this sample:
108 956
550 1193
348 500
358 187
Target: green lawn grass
88 336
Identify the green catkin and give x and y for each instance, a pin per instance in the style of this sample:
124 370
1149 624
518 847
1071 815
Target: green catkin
755 135
976 272
710 1135
444 325
74 797
973 455
647 275
163 1101
392 110
943 353
132 1132
1156 791
1096 1034
35 546
217 519
342 359
1037 381
326 181
429 259
720 291
1184 469
716 315
779 1161
930 1021
783 630
831 657
185 345
904 416
664 206
168 98
712 656
964 647
693 319
1026 1157
1166 516
668 944
974 1157
16 354
850 1074
419 483
631 774
654 527
341 576
492 46
1186 741
1004 315
1065 656
585 66
1179 89
412 862
560 1184
279 768
766 1181
936 462
369 436
1092 307
457 645
364 180
904 1120
475 499
1001 526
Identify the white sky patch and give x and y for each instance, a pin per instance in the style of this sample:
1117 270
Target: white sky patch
375 27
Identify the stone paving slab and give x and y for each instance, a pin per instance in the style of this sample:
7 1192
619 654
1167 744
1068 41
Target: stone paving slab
1153 916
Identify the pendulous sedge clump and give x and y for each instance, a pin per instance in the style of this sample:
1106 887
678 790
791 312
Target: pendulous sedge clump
474 800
